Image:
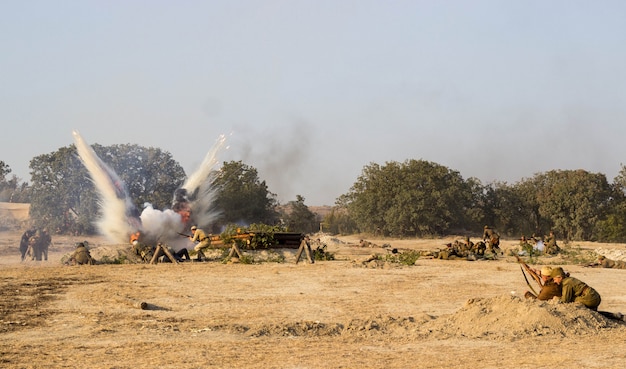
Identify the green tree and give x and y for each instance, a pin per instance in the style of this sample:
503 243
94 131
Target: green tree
11 190
4 170
62 193
64 198
573 201
151 174
613 228
338 221
298 218
414 198
242 198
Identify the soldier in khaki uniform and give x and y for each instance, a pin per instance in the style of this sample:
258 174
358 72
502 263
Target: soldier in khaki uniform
551 247
574 290
608 263
204 241
81 256
492 239
549 289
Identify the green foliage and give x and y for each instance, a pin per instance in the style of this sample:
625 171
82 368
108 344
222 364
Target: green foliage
150 174
320 253
530 250
338 221
415 198
242 197
298 218
121 259
4 170
573 200
263 235
11 190
64 199
247 259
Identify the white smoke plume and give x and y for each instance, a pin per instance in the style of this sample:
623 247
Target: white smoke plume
192 202
117 221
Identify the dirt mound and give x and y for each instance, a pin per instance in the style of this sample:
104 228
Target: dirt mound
506 318
327 239
511 318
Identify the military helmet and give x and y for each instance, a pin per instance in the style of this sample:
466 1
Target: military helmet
557 272
546 270
193 228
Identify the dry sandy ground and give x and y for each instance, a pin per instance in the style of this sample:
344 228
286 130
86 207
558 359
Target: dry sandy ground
331 314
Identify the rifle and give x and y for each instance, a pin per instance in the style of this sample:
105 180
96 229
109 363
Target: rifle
530 271
184 235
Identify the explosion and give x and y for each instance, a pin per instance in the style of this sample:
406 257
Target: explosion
192 202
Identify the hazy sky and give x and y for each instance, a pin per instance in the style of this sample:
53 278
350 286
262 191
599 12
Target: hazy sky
310 92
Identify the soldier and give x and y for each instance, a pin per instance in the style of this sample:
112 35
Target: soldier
204 242
24 242
44 242
608 263
551 247
460 249
549 289
492 238
574 290
81 256
446 253
145 252
33 245
469 245
180 255
479 248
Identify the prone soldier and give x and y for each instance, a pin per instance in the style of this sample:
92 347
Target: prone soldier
603 262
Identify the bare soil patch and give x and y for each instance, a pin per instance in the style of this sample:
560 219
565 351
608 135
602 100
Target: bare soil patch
331 314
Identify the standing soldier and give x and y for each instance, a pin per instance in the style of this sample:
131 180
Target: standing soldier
204 242
33 246
490 235
44 242
24 242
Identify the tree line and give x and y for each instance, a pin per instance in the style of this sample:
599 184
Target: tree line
418 198
64 200
415 198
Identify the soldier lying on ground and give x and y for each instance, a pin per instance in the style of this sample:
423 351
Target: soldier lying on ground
460 249
180 255
575 290
603 262
146 252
